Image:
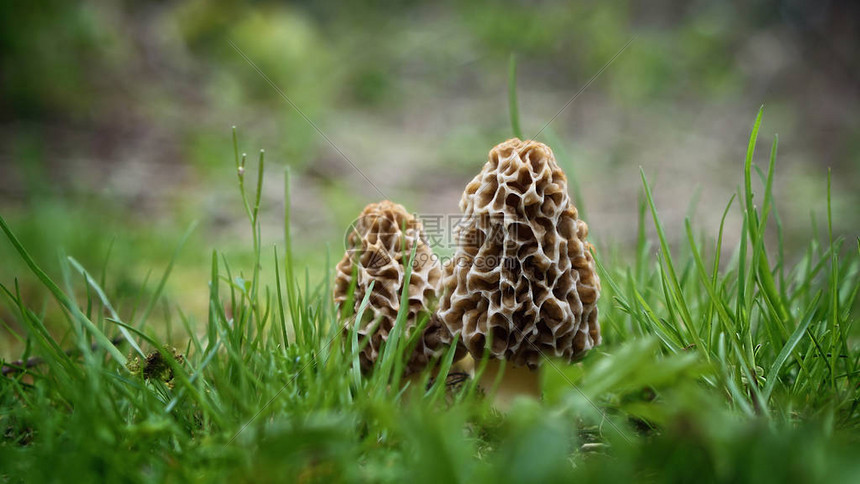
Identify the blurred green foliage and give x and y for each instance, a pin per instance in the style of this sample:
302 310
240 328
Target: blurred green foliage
265 387
116 119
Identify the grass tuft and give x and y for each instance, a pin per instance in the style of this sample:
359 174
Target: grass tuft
740 355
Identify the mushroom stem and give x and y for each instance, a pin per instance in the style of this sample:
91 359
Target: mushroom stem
512 381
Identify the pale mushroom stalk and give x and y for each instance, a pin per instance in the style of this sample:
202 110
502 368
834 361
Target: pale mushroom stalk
513 381
522 283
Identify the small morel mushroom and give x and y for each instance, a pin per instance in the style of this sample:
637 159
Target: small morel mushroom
522 281
378 246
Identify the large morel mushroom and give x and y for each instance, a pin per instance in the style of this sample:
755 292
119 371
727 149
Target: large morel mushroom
378 246
522 281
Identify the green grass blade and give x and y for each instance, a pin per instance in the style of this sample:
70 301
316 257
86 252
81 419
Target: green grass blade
281 316
513 107
160 288
61 297
677 293
748 192
353 336
100 293
793 340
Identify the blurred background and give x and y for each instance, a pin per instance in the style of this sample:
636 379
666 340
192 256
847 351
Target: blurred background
116 119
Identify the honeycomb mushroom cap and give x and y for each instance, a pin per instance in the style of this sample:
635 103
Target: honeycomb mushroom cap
378 247
523 275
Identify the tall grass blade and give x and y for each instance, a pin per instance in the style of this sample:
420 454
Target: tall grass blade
513 107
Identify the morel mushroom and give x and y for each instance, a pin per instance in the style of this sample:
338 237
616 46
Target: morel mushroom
522 281
378 246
